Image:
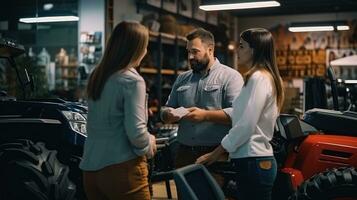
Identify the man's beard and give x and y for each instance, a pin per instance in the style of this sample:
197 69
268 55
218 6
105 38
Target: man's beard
199 65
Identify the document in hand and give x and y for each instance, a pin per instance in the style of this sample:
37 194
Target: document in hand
180 112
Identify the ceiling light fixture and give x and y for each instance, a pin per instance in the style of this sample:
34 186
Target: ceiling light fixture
47 6
311 28
343 28
318 26
350 81
210 5
49 19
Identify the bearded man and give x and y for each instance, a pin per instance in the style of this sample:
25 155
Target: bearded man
207 92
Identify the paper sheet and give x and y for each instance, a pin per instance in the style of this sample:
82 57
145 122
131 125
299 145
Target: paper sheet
180 112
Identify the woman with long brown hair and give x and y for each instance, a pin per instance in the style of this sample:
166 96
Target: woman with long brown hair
114 161
255 111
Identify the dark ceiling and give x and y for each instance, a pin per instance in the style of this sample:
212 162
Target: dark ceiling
289 7
29 8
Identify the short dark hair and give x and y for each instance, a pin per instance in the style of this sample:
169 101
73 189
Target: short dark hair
206 36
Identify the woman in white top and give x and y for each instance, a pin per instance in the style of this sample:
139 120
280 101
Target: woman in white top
255 112
114 159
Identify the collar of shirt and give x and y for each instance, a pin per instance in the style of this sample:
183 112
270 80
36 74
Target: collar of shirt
214 66
132 69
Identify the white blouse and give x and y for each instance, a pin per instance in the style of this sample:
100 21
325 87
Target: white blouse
253 119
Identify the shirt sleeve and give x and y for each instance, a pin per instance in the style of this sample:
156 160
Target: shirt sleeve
232 90
251 104
135 120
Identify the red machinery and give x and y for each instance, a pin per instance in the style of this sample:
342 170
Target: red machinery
317 155
313 164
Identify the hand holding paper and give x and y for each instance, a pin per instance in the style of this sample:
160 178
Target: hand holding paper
179 112
196 114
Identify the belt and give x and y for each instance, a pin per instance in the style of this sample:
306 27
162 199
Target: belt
198 148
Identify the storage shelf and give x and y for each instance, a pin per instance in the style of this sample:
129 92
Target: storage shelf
144 5
163 71
167 38
69 65
69 77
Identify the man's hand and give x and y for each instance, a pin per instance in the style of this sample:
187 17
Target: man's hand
152 150
196 114
169 117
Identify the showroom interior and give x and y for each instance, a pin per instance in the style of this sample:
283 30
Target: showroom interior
50 48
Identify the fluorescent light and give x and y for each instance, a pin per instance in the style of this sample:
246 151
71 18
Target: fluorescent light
247 5
311 28
351 81
47 6
343 28
319 26
49 19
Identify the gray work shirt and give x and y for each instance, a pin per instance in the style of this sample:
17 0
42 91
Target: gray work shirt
117 122
213 91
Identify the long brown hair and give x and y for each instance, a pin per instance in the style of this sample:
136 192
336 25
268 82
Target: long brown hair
126 44
264 58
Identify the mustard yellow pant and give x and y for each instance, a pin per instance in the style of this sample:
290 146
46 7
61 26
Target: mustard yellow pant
128 180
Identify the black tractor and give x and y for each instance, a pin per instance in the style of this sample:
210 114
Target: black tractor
41 141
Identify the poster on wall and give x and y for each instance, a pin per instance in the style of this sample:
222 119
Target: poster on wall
197 12
185 8
170 5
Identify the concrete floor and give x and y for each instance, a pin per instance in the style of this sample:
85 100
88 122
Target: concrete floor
159 191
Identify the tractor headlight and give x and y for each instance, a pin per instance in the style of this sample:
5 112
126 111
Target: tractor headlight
77 121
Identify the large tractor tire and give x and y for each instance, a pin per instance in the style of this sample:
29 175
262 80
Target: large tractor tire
331 184
31 171
75 174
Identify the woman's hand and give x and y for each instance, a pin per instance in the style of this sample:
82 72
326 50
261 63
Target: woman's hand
211 157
